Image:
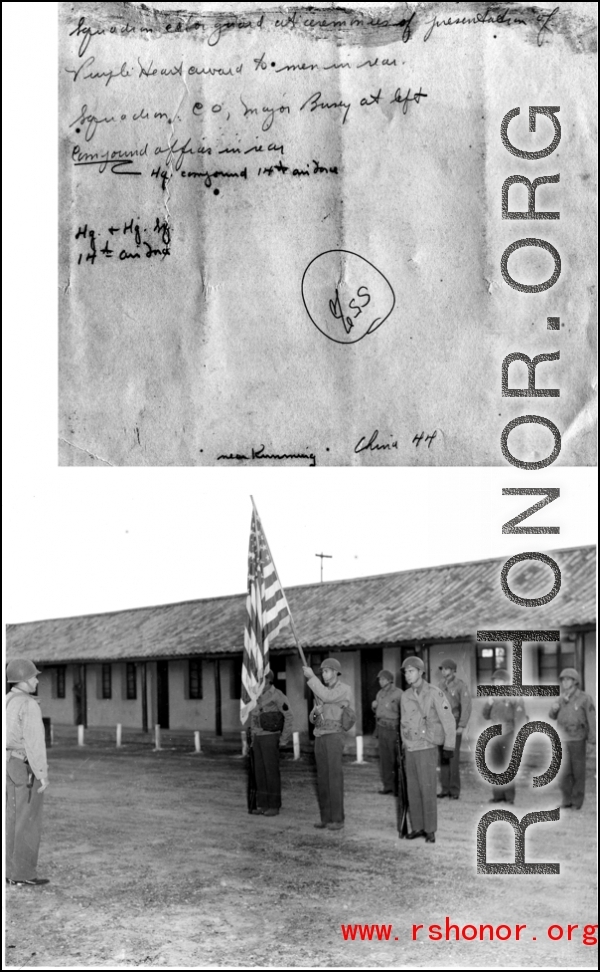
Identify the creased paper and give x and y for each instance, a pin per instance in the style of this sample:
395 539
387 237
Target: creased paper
281 233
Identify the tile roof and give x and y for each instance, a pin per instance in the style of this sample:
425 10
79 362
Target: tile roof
434 603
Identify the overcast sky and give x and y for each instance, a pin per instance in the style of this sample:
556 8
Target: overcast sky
92 540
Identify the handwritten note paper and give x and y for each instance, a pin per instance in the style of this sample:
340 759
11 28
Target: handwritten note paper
281 232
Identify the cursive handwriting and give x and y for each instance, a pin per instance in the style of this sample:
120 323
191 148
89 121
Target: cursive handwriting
315 102
406 99
126 240
90 122
108 157
372 444
417 439
277 457
85 73
481 18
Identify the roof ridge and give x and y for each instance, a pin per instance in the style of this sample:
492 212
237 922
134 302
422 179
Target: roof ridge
344 581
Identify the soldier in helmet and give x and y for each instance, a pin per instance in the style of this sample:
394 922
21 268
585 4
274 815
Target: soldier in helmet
510 713
426 722
386 707
271 726
576 717
331 696
459 699
26 774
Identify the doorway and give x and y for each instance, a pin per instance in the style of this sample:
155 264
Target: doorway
371 663
162 694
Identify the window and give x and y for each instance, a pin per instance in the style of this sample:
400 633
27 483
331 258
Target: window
61 678
548 663
488 660
107 681
552 658
131 680
195 678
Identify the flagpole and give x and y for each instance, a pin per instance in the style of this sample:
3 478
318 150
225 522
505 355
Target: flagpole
292 625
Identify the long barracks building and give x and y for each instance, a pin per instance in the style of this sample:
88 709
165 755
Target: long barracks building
179 665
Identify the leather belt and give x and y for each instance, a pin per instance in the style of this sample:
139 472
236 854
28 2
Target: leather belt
330 724
387 723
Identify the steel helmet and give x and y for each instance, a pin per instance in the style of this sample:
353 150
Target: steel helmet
414 662
332 663
570 673
20 670
448 663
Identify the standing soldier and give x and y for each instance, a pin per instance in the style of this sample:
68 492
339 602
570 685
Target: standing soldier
426 722
459 699
576 717
26 774
387 712
326 716
510 714
271 724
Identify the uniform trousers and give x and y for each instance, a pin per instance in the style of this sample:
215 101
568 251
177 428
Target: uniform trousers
388 743
450 771
497 754
266 771
330 776
572 779
421 784
24 807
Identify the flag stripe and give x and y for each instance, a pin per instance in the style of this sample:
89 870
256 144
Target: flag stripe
268 613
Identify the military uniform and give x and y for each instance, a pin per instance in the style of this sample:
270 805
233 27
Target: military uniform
26 767
329 746
459 699
510 714
576 717
272 708
426 722
387 712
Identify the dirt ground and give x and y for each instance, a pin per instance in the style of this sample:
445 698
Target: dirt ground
154 862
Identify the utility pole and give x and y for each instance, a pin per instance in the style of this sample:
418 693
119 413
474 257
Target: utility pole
323 556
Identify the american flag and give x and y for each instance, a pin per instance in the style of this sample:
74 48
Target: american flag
268 613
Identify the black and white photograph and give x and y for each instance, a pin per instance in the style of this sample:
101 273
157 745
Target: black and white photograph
262 715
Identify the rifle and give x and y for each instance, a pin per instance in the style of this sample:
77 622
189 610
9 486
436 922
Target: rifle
251 794
402 803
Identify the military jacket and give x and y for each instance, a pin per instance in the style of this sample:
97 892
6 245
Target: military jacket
25 737
576 717
329 702
509 712
459 698
387 705
426 719
272 700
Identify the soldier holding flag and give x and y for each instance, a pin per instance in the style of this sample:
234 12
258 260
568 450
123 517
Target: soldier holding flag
271 723
271 719
330 699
